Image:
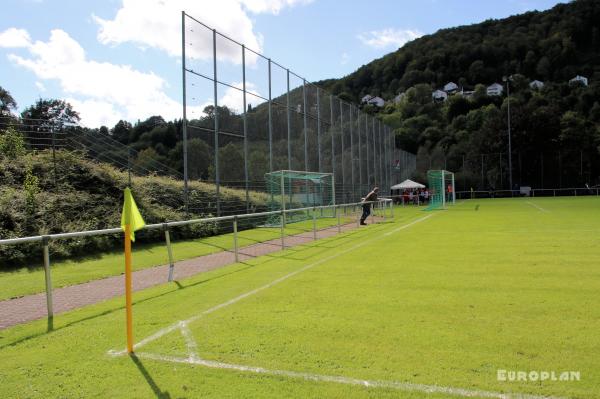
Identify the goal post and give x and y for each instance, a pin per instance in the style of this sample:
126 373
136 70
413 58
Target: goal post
442 190
290 189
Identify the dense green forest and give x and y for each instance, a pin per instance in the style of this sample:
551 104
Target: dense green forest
555 130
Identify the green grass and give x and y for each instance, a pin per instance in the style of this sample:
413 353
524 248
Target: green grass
27 281
486 285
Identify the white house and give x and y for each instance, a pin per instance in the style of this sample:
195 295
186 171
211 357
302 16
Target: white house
579 79
495 89
450 87
398 98
536 84
439 95
366 99
377 101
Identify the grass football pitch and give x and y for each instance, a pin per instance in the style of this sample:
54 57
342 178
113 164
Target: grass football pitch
431 304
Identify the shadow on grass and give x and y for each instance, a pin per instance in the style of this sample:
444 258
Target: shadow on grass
349 236
155 388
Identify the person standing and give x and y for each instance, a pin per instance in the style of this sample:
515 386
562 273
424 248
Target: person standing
366 205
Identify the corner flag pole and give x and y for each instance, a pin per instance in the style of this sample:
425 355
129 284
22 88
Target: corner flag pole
128 287
131 220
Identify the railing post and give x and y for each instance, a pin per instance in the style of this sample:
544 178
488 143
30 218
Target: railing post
169 251
235 238
49 305
392 208
339 224
282 233
384 211
314 223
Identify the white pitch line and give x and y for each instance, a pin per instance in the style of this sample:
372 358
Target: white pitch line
194 359
408 225
401 386
238 298
539 208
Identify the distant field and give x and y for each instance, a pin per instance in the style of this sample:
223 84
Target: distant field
429 305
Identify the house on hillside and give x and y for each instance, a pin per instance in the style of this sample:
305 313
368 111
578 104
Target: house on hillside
536 84
377 101
579 80
366 99
495 89
398 98
450 87
439 96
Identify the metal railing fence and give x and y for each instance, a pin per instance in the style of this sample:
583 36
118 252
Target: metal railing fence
384 206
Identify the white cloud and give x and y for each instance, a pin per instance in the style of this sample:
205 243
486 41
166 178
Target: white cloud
107 86
96 113
234 100
157 24
271 6
15 38
388 37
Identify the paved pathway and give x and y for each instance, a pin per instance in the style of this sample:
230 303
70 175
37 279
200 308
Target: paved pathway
33 307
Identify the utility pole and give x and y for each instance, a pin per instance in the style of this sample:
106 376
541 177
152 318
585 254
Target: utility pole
510 180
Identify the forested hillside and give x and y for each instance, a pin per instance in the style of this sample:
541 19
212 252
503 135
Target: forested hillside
555 129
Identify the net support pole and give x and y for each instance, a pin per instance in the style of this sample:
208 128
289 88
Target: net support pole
270 122
235 238
169 251
289 122
367 145
332 145
360 179
339 223
352 197
216 126
282 230
184 122
314 220
344 199
319 130
245 120
48 278
453 191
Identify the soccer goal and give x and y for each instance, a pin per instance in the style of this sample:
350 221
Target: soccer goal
291 189
441 189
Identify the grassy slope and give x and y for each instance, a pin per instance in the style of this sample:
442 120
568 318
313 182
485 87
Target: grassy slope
88 195
30 280
447 301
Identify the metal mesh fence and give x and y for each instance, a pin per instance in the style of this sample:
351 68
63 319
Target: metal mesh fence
256 116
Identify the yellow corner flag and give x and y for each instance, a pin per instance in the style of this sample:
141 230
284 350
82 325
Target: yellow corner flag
131 220
131 215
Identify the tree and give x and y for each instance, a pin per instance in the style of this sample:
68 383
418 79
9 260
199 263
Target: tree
51 112
7 102
199 158
121 131
231 163
146 161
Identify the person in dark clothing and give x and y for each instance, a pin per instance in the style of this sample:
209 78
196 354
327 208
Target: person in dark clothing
372 196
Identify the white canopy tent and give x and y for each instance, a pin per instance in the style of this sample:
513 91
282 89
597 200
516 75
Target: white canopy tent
406 185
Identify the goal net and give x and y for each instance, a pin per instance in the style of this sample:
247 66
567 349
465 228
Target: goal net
290 189
441 189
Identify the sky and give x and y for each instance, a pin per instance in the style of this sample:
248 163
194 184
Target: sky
121 59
